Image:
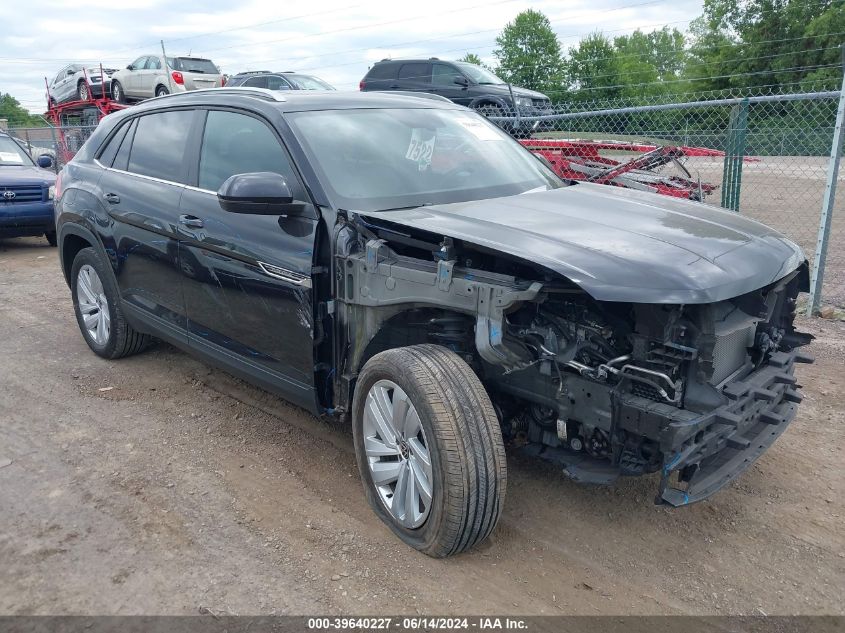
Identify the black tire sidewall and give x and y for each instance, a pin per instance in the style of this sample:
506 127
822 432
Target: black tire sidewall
79 88
425 536
117 92
89 256
161 91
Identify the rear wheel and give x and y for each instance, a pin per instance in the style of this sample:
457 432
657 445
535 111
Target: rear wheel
98 312
117 92
161 91
429 449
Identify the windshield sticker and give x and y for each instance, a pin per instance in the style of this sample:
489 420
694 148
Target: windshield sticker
421 147
11 157
479 129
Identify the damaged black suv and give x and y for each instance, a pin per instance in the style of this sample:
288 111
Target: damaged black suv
401 263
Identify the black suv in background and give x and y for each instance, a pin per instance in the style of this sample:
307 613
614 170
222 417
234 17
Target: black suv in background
277 81
463 83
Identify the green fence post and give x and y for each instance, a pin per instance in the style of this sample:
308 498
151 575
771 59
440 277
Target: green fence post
734 155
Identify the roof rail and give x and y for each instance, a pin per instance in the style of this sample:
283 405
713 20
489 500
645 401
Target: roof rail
253 72
264 93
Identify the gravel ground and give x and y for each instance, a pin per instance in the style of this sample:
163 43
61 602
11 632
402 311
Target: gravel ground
156 485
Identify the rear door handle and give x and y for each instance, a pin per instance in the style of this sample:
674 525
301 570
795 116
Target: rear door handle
191 221
112 198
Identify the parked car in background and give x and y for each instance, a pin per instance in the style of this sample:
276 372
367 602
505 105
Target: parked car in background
26 192
287 80
70 85
463 83
148 76
403 264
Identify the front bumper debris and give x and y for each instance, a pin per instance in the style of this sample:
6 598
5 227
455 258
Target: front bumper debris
710 451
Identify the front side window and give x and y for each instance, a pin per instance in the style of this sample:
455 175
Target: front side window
443 75
235 143
479 75
158 149
307 82
382 159
138 64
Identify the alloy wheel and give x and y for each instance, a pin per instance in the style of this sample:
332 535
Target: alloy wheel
398 454
83 92
93 304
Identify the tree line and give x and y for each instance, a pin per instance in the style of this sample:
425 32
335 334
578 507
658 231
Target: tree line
776 45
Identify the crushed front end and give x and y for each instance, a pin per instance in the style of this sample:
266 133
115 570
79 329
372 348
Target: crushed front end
696 392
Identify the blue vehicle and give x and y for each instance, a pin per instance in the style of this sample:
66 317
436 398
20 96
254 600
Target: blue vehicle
26 192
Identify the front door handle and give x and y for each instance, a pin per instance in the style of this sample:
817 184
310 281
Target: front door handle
112 198
191 221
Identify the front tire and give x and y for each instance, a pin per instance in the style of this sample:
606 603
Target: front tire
82 91
429 449
117 92
98 311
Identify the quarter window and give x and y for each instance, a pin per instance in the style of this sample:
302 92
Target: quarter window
158 149
238 144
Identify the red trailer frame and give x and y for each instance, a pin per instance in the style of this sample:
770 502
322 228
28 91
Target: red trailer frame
89 112
581 160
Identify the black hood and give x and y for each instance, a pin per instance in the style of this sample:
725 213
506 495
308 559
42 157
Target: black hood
620 244
502 90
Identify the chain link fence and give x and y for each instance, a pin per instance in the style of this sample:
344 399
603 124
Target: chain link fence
59 143
771 161
770 158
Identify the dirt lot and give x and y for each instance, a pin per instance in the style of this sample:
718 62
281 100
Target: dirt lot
158 485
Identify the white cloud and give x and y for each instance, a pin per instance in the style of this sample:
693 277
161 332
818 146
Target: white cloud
329 38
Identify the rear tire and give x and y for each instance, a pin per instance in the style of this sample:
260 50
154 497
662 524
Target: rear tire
97 307
161 91
461 438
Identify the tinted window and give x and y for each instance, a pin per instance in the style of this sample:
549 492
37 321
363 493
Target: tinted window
256 82
108 153
195 65
158 149
121 159
415 72
238 144
274 82
382 71
443 75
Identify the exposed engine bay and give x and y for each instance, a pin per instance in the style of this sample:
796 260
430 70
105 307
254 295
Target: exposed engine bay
604 389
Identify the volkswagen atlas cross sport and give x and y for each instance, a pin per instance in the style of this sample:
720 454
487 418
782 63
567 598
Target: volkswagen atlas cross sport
400 262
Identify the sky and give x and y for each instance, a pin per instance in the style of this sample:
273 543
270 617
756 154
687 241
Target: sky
337 41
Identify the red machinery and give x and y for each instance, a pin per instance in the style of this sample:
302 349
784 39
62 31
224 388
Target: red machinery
74 120
581 160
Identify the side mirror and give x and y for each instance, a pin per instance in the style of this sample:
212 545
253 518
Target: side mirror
130 67
258 193
70 71
45 161
461 80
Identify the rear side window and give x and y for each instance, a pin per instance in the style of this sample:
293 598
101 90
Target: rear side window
235 143
382 71
158 149
255 82
153 63
108 153
121 159
415 72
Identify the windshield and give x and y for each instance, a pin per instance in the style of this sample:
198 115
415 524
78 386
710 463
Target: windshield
12 154
307 82
384 159
478 74
193 65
